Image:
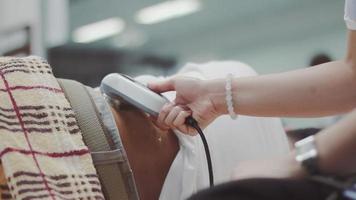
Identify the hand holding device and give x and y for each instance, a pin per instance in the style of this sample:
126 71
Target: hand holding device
122 87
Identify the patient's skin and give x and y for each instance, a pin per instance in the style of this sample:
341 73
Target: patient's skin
150 150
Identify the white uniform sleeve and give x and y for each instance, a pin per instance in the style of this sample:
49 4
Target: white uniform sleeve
350 14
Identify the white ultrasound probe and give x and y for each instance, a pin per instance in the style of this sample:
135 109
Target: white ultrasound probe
120 86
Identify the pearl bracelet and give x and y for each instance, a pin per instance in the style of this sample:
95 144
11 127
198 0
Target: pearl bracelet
229 102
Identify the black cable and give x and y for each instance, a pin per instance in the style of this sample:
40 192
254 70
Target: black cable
193 123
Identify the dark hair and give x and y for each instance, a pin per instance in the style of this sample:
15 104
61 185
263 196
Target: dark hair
319 58
298 134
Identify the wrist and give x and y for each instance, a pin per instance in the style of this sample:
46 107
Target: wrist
215 89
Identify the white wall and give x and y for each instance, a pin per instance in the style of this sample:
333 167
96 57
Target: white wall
18 13
56 22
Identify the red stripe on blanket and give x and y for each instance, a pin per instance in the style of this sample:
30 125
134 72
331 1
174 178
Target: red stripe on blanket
32 197
25 122
61 192
23 108
23 65
32 174
45 196
21 87
7 116
80 152
18 114
34 115
29 107
29 130
34 190
31 182
7 66
27 71
56 178
16 70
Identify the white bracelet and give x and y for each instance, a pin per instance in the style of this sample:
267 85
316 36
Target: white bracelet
229 102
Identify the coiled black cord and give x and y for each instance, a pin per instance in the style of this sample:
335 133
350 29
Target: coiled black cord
193 123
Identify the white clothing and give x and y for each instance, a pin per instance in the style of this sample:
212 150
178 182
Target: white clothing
350 14
230 141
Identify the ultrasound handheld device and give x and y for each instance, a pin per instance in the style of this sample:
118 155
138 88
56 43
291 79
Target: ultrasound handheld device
124 88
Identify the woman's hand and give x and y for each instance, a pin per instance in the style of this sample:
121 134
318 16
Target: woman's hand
193 98
286 167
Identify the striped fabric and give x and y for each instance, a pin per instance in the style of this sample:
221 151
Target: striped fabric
42 152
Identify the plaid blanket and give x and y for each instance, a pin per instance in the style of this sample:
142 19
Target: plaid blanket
42 152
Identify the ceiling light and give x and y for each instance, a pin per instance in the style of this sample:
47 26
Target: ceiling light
98 30
166 11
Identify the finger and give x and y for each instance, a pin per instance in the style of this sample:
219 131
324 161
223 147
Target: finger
164 112
160 126
172 115
162 86
179 122
180 119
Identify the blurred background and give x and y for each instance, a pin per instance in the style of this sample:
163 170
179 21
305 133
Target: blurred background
86 39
